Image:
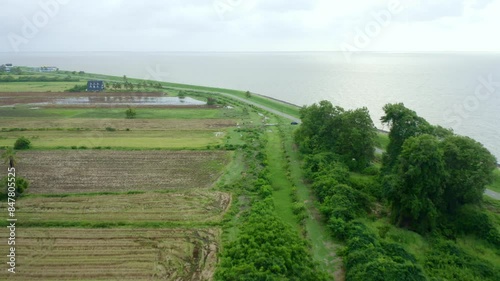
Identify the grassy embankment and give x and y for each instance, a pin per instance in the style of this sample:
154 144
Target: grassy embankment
495 186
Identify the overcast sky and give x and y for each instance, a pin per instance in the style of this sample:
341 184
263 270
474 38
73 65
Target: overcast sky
249 25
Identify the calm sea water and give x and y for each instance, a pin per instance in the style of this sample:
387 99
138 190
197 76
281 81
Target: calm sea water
458 91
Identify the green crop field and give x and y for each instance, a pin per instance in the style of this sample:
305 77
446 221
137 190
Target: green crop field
36 86
142 113
122 139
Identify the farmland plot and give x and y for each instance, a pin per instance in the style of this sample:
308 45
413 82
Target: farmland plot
118 124
76 171
191 207
122 139
113 254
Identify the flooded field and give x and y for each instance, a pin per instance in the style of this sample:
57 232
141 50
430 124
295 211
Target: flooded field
95 99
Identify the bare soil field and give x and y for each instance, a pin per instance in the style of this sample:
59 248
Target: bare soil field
119 124
192 206
113 254
76 171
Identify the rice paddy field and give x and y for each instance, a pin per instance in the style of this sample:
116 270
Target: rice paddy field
114 254
84 171
180 207
112 198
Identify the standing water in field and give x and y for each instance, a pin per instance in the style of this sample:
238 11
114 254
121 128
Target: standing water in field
126 100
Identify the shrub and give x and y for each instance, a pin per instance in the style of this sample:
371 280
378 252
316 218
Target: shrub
110 129
338 227
346 203
265 191
130 113
371 170
472 220
22 143
446 261
21 185
367 184
294 195
298 208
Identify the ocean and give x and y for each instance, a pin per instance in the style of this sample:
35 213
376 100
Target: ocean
455 90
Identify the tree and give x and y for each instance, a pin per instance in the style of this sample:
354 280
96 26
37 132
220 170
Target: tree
22 143
404 123
16 70
429 172
181 94
211 101
469 168
248 94
416 190
356 138
130 113
10 158
349 134
313 133
21 184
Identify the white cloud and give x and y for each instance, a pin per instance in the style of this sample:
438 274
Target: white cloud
252 25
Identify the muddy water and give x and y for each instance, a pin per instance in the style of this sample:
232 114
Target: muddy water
125 100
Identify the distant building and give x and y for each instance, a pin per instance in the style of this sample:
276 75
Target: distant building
48 69
7 67
95 86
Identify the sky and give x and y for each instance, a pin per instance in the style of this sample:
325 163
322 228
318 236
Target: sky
249 25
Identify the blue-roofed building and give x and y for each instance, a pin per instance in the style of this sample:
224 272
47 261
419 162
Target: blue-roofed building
95 86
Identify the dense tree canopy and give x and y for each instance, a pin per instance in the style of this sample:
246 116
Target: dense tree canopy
469 169
416 190
349 134
429 172
404 123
